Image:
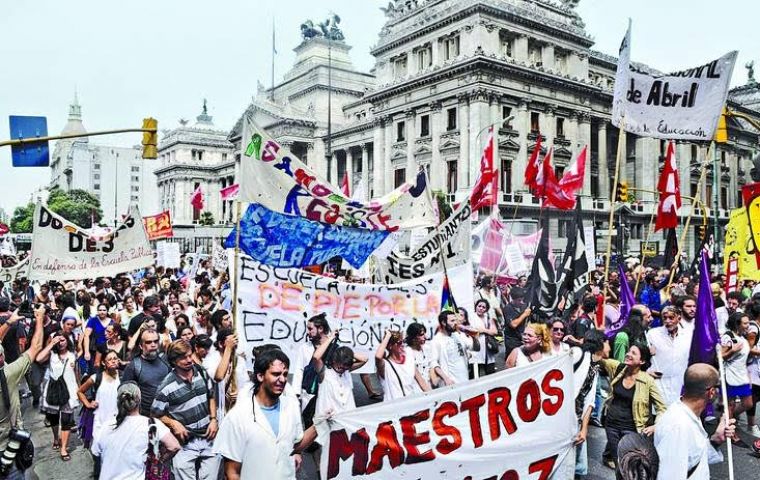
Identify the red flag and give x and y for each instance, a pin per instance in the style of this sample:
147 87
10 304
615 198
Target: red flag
231 192
4 229
196 199
670 192
572 179
549 190
534 163
486 188
344 186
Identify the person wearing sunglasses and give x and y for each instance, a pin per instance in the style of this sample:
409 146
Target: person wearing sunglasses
558 329
147 370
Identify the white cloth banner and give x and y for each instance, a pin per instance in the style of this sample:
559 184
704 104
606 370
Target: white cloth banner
276 302
683 105
167 254
452 237
515 424
9 274
275 178
62 250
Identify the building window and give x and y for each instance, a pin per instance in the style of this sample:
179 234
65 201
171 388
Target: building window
558 172
135 169
96 186
723 159
135 188
563 228
535 126
560 63
560 127
96 176
451 176
506 112
507 44
400 131
399 67
693 189
399 177
451 119
506 176
135 198
224 157
424 125
424 57
96 166
534 54
451 47
724 198
694 154
197 155
135 178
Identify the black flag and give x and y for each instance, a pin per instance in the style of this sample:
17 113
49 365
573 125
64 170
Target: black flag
573 279
671 250
542 290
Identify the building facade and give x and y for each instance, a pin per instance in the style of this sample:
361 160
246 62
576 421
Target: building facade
117 176
447 70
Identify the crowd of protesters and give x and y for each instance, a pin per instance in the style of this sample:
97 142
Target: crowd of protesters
145 369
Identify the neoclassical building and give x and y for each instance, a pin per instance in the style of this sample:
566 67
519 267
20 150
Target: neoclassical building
445 71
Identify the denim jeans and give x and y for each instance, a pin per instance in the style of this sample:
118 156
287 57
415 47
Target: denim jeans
198 451
581 458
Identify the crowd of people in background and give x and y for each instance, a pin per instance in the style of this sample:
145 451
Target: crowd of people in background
145 368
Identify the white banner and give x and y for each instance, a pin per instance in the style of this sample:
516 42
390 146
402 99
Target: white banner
683 105
9 274
167 254
515 424
273 177
62 251
452 237
276 302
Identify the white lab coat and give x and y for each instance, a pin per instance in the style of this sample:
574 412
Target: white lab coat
248 438
672 359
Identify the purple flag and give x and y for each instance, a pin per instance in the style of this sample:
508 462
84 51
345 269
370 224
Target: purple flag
706 336
626 303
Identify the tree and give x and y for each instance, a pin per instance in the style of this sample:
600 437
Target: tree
77 206
206 219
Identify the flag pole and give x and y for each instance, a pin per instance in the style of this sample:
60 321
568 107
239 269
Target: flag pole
691 214
621 139
232 384
646 248
724 394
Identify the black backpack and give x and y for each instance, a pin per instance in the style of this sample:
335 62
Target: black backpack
57 392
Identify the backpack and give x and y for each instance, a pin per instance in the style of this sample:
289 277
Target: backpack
57 392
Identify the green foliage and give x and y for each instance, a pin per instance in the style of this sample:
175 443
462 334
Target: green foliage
206 219
76 206
444 208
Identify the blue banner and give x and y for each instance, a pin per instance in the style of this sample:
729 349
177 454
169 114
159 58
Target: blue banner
293 242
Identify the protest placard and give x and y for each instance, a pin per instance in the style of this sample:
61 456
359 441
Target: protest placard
158 226
452 238
167 254
276 302
9 274
512 425
285 241
683 105
275 178
63 251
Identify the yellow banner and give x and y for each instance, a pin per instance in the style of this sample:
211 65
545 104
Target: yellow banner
739 245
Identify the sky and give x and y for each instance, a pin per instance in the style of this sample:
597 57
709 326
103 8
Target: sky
130 60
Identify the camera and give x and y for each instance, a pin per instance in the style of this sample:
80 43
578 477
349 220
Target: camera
17 441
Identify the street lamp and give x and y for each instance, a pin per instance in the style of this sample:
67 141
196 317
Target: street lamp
500 122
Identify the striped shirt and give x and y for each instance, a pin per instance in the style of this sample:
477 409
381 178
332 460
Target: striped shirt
183 401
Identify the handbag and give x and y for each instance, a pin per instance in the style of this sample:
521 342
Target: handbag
492 345
58 392
155 469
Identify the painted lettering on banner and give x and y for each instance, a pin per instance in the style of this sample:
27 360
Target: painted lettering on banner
516 424
275 304
273 177
159 226
9 274
64 251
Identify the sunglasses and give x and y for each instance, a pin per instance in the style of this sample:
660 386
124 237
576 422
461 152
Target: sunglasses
558 329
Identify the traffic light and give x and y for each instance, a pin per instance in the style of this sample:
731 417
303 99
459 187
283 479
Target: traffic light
701 230
150 139
621 192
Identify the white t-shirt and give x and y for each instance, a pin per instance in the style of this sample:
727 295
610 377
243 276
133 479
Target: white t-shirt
423 360
336 393
123 451
392 388
450 353
248 438
736 365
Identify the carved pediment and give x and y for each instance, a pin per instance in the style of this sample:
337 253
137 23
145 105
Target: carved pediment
509 144
449 143
562 152
422 148
532 147
398 154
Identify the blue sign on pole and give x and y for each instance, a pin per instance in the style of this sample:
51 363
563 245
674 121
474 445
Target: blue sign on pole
30 154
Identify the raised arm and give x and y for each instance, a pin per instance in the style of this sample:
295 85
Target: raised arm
36 344
380 355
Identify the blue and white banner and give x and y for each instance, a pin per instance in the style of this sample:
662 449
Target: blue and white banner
286 241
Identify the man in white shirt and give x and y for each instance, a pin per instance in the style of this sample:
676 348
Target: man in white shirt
259 433
450 348
670 346
681 442
317 330
733 300
688 307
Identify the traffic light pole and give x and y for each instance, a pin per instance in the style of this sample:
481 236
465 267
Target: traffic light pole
23 141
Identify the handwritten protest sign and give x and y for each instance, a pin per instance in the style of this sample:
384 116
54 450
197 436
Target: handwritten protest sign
452 237
158 226
276 302
275 178
286 241
9 274
63 251
683 105
167 254
517 424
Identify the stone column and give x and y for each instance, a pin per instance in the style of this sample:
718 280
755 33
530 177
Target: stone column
547 57
365 171
437 169
604 178
334 169
349 170
584 139
388 166
647 167
479 120
548 124
520 53
522 125
411 165
463 166
495 116
379 158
